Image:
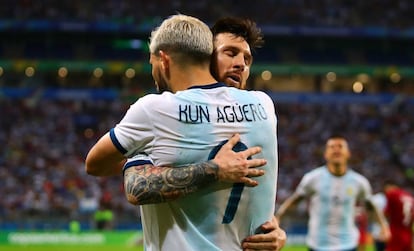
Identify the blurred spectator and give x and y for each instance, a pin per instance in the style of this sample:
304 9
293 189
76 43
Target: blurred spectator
382 13
104 215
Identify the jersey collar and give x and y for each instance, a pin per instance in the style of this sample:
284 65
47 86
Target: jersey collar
209 86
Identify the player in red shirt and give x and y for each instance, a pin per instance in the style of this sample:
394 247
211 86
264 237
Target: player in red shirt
400 213
361 219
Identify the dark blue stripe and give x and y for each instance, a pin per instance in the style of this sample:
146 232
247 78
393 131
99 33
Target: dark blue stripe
211 86
233 203
116 142
138 162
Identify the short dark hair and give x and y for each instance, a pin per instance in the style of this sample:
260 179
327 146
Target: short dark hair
240 27
392 181
336 136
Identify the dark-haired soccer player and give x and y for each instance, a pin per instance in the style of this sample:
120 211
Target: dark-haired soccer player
334 191
235 39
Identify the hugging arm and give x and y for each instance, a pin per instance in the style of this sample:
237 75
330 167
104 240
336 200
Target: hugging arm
290 202
272 238
148 184
104 159
381 219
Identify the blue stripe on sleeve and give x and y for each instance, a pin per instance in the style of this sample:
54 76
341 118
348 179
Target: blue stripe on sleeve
138 162
116 142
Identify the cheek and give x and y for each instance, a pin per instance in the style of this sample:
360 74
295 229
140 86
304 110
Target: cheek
156 74
223 60
224 64
246 72
217 69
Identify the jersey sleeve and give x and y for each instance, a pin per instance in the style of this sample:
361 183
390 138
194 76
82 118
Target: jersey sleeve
305 185
366 190
137 160
133 133
269 105
267 100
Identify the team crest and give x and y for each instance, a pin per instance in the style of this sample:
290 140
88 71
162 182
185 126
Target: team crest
349 191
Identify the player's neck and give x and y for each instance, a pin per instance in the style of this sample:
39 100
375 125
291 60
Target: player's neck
337 169
183 80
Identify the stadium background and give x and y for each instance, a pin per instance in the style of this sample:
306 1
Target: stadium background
69 70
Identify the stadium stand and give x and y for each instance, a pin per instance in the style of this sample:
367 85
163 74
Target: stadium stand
47 138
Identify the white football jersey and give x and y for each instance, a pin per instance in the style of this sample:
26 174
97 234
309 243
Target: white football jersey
332 207
185 127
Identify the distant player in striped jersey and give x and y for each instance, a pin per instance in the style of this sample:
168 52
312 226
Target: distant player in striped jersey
187 127
333 191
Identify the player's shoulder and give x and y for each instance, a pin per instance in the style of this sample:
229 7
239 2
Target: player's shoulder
262 97
245 91
156 96
259 93
316 172
154 100
357 175
358 178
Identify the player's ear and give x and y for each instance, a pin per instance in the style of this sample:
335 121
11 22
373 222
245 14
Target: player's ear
165 63
165 60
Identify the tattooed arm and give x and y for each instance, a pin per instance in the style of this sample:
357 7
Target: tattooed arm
147 184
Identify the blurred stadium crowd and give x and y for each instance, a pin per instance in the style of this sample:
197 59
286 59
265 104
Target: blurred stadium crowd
45 140
379 13
42 165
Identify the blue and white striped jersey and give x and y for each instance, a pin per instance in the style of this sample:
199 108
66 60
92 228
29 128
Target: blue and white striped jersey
332 207
185 127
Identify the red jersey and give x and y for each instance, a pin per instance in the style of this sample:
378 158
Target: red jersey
362 224
400 213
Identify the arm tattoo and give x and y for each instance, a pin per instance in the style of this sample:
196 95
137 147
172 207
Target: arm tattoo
148 184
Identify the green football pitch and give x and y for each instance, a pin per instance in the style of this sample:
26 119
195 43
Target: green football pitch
102 248
80 241
96 248
67 248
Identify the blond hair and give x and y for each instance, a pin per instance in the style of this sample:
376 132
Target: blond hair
184 36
